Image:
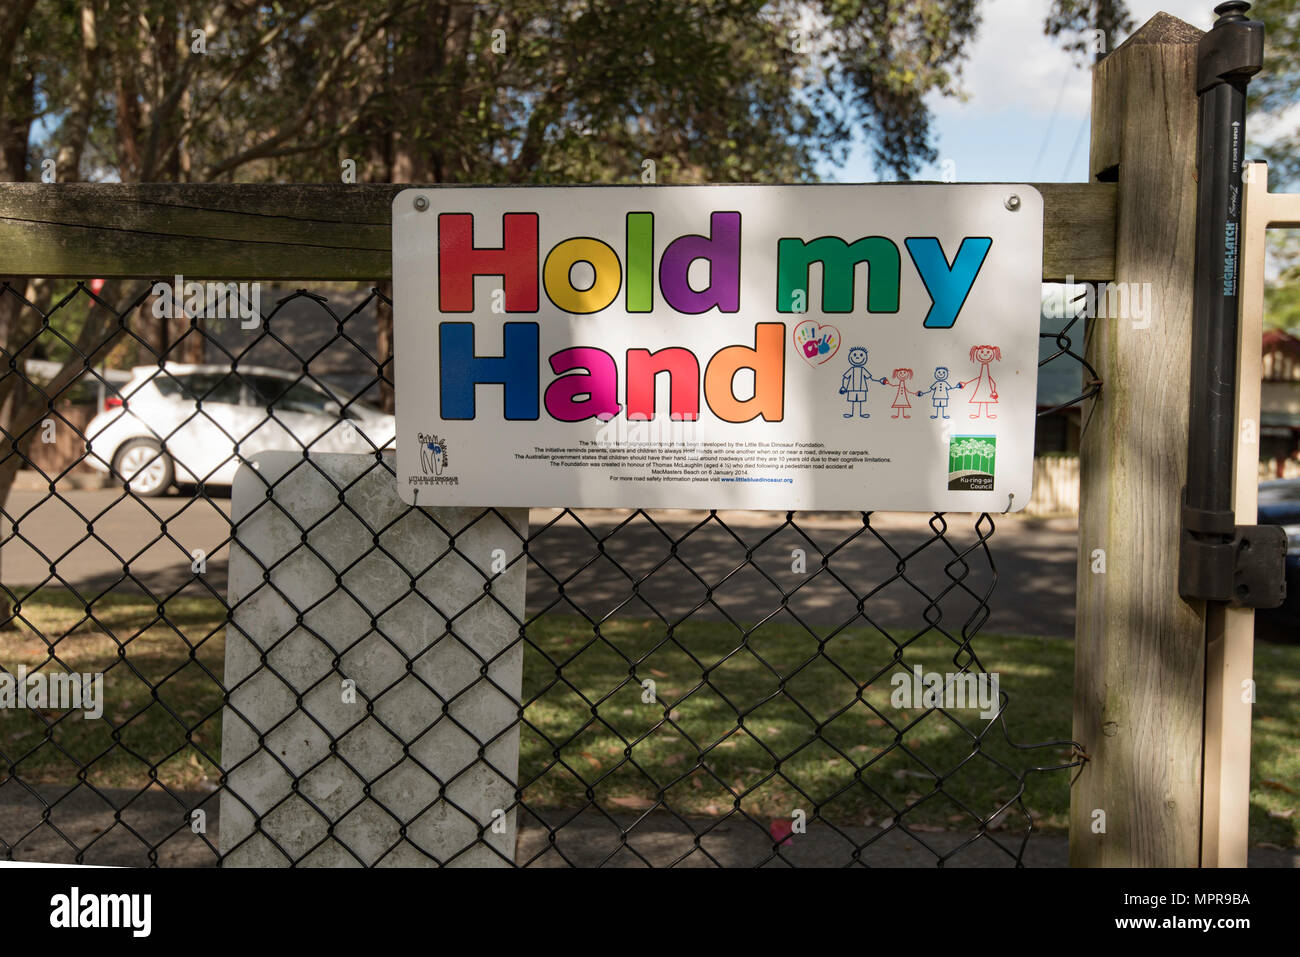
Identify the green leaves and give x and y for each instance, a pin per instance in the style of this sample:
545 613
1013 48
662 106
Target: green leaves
712 90
527 91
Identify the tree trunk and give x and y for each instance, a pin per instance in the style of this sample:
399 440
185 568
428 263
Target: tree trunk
19 93
407 160
8 472
77 126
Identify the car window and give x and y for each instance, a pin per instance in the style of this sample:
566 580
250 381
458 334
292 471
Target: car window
167 385
201 386
286 396
1280 490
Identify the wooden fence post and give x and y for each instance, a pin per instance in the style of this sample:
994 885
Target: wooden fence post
1139 648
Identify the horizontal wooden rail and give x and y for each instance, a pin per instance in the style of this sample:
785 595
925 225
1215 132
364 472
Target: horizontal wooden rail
336 231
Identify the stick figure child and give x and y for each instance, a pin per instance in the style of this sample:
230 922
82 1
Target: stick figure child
939 390
854 384
985 392
901 403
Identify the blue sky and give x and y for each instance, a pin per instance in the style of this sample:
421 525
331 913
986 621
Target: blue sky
1026 115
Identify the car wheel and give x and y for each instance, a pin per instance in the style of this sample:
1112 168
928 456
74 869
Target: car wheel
143 465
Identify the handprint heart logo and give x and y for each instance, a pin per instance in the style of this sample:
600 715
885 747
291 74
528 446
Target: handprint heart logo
816 343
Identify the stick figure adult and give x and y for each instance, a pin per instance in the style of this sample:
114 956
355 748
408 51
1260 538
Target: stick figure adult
985 392
853 385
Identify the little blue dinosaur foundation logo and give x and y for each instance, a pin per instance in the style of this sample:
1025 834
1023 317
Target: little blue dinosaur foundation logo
971 461
433 454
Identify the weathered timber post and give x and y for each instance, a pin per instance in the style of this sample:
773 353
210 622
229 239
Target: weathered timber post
1139 648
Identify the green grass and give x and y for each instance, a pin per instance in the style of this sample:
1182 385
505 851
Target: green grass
137 650
805 741
1275 747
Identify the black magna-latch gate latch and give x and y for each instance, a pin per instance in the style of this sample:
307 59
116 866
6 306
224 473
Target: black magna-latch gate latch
1223 561
1220 560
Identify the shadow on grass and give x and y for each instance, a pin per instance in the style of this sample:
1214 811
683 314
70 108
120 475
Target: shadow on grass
705 719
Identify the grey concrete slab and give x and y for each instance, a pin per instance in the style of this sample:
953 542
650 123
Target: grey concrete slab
374 674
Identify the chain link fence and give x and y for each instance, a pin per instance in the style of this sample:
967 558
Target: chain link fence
715 688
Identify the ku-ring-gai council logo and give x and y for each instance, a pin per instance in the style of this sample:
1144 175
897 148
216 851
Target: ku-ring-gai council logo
970 462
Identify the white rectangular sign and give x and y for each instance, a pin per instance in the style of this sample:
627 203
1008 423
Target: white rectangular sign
778 347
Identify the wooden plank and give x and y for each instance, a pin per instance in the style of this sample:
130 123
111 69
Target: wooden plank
241 231
1139 648
334 231
1230 648
1078 231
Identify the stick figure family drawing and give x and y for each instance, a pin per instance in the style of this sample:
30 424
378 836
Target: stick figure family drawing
983 396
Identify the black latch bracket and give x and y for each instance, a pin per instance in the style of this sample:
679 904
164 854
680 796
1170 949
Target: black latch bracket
1223 561
1230 55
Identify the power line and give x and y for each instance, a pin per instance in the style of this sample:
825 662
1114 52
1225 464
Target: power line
1047 134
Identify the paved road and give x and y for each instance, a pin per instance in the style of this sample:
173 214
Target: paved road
586 839
614 562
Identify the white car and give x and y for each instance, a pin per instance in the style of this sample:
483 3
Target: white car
198 423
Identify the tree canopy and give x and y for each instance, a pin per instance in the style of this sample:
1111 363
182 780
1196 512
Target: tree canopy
448 91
